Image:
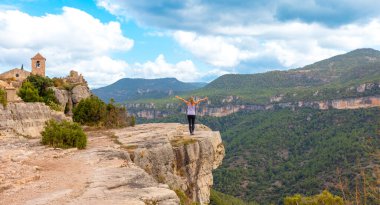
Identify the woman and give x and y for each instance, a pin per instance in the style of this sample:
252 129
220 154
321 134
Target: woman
191 111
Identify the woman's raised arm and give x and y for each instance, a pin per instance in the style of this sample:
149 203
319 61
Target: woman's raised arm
201 100
179 98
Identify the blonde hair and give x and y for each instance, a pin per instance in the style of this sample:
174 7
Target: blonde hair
191 100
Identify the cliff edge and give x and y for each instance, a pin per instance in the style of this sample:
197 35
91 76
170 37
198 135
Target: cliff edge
145 164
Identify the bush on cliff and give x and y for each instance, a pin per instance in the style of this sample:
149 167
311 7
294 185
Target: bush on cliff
3 97
324 198
93 111
90 111
36 89
64 134
29 93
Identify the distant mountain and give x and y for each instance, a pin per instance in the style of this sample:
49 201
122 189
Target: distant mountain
138 88
330 78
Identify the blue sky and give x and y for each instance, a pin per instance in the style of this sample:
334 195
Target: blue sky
192 40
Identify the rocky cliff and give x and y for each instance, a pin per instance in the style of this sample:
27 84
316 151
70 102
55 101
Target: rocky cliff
145 164
227 109
74 88
27 119
169 154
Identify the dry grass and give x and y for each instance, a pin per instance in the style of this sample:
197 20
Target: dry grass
177 142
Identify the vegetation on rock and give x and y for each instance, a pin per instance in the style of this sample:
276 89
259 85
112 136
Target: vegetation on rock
218 198
36 89
64 134
325 198
94 112
3 97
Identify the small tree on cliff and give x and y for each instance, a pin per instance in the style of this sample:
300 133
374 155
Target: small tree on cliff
3 97
325 198
90 111
36 89
28 93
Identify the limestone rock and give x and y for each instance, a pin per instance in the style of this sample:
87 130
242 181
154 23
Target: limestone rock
61 95
172 156
27 119
80 92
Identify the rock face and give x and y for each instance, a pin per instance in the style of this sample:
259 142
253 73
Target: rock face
136 166
27 119
174 157
224 110
80 92
68 99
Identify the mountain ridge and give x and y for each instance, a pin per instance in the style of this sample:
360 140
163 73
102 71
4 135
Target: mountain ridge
138 88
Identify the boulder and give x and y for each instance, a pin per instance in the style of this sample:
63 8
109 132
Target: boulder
80 92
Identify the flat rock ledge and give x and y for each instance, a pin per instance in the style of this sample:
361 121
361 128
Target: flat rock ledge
138 165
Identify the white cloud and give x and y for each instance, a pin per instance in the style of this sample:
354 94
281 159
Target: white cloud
71 40
215 50
227 34
293 44
160 68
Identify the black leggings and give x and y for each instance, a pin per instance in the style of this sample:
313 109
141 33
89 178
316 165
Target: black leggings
191 119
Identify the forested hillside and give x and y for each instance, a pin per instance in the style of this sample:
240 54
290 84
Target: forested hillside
334 78
273 154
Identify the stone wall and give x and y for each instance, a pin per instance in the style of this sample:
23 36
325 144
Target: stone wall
26 119
16 74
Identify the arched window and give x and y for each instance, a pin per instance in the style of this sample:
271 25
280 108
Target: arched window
17 75
38 64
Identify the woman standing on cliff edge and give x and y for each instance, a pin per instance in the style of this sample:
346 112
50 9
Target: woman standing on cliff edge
191 111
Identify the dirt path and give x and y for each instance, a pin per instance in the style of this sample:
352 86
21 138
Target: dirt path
34 174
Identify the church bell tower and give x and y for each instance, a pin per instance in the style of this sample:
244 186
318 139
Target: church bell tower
38 65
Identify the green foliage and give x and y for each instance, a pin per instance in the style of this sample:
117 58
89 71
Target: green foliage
218 198
325 198
37 89
272 154
116 116
93 111
184 200
29 93
133 121
90 111
3 97
64 134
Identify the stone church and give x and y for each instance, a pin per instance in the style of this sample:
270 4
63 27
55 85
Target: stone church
12 79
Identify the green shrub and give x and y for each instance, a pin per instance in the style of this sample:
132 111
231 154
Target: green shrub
90 111
36 89
325 198
3 97
29 93
116 116
64 134
133 121
93 111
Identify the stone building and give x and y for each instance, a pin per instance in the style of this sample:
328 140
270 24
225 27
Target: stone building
17 74
38 65
11 80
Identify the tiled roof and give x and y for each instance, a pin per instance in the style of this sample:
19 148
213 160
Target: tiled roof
39 56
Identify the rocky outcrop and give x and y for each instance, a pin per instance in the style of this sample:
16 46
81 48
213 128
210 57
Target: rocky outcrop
80 92
68 98
172 156
224 110
27 119
145 164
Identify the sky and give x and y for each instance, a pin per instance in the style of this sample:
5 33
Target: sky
191 40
